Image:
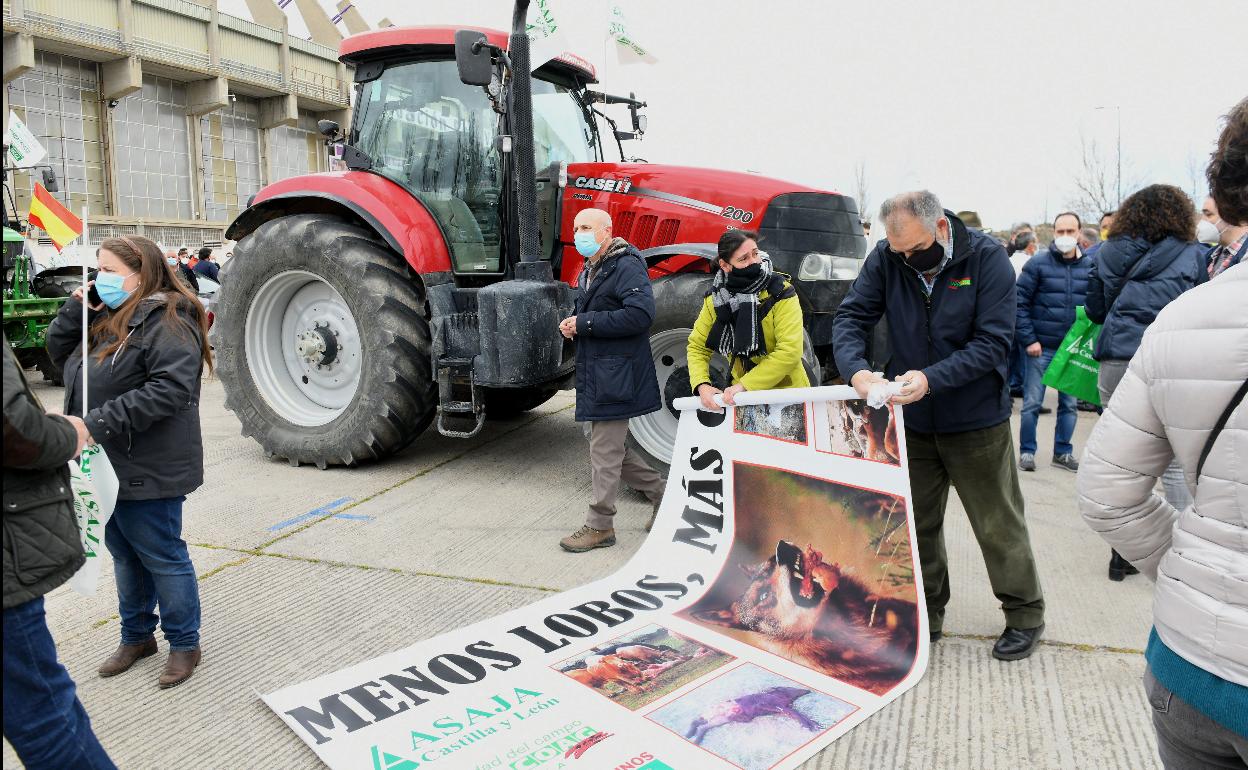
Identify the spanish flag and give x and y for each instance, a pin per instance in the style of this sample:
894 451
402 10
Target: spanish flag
49 215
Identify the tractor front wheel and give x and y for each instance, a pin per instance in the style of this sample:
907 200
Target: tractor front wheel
322 343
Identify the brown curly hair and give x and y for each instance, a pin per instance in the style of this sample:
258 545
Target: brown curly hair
1228 168
1155 213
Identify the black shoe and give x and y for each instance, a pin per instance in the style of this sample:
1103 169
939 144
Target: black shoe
1017 643
1045 410
1016 392
934 636
1119 567
1087 406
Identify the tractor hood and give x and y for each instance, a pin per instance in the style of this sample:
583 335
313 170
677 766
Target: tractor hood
665 208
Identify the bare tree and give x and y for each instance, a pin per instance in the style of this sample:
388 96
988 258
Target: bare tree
860 183
1104 178
1196 184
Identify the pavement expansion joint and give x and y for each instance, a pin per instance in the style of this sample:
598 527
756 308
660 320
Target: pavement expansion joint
1074 646
413 477
365 567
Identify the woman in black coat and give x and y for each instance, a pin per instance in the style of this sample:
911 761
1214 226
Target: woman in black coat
148 348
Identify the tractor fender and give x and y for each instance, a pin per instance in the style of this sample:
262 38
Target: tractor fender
373 201
679 258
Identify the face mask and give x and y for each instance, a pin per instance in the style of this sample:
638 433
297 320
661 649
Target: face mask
740 278
1207 232
586 244
927 259
172 261
108 286
1065 243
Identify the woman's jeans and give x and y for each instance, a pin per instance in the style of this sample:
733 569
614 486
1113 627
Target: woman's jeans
1177 494
43 718
153 568
1187 739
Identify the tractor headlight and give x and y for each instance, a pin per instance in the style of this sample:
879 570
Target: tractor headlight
826 267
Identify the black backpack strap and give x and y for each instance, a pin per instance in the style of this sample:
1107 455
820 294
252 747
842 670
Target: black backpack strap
1219 425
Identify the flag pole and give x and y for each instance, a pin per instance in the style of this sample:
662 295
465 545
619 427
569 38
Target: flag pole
82 243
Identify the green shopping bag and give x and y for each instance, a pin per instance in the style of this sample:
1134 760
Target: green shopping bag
1073 370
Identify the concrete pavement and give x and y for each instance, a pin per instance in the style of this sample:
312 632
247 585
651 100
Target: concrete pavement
304 572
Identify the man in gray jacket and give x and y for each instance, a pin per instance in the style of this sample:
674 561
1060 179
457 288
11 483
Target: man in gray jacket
43 718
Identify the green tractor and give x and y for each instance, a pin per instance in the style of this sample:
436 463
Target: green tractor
31 300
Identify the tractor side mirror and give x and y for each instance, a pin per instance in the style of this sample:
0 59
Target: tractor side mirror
328 128
49 179
472 57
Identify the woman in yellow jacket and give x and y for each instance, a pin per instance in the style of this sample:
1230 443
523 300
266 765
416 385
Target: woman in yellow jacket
753 318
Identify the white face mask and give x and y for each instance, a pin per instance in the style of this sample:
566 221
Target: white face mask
1065 243
1207 232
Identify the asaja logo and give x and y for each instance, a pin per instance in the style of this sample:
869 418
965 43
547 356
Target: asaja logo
957 283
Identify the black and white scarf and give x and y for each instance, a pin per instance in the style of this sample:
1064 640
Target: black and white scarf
738 329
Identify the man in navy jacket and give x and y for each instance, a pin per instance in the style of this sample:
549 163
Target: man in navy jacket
948 294
1052 285
615 377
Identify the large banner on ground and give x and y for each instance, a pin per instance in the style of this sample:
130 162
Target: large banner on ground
774 606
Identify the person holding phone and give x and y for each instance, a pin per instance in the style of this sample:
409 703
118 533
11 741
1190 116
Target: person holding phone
148 346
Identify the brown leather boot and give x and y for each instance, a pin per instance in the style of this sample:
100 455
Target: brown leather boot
587 538
179 667
126 656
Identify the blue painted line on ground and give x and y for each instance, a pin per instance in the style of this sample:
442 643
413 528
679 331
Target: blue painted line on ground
312 514
353 516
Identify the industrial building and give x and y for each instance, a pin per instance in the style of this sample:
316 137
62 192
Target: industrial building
163 117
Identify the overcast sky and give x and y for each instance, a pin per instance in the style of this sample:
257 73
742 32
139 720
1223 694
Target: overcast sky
982 102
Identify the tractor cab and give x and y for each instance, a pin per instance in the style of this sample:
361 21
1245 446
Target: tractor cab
417 123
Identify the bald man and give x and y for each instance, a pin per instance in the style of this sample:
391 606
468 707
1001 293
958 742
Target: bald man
183 272
615 378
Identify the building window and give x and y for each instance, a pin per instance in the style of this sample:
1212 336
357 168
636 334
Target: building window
295 150
59 101
153 152
231 142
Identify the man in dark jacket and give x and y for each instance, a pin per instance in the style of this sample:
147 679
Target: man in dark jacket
43 718
1052 285
948 294
205 266
615 377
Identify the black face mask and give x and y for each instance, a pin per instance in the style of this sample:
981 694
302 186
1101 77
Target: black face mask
743 277
926 259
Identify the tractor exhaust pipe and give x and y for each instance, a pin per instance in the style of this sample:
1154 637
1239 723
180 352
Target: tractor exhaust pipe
522 135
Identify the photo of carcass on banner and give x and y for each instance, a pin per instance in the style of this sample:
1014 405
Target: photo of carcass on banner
775 606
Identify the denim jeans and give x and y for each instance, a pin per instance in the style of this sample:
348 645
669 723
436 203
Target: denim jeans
153 566
1186 738
1033 396
43 718
1172 480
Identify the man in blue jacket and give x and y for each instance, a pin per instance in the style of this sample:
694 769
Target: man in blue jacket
948 294
615 377
1052 285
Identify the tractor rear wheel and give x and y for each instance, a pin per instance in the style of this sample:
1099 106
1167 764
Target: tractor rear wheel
322 343
678 300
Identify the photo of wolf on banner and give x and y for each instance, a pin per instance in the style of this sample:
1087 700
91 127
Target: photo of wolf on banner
821 573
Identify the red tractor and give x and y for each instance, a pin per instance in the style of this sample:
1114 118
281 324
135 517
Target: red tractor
427 279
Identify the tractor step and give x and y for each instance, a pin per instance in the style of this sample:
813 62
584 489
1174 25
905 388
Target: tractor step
458 417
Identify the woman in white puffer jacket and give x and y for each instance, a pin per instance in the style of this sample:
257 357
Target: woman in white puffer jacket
1190 368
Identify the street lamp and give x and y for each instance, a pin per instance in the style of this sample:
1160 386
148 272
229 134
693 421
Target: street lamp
1118 110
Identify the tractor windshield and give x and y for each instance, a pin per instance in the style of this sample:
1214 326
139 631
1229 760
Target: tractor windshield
429 132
